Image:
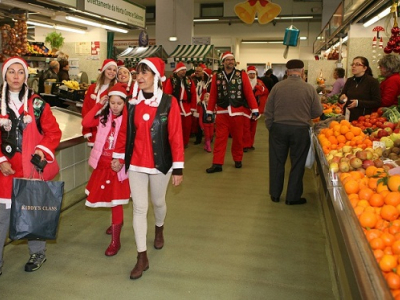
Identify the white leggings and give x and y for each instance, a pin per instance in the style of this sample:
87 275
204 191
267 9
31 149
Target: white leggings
139 183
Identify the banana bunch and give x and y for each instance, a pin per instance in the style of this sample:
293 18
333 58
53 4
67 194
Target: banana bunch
71 84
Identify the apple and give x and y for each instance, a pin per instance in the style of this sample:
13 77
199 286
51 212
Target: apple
396 130
344 159
378 163
387 124
389 130
394 136
362 170
334 167
387 167
335 159
382 133
367 163
361 154
378 151
369 153
355 162
344 166
388 142
346 148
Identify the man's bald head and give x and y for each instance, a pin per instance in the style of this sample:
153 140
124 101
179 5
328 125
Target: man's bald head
54 66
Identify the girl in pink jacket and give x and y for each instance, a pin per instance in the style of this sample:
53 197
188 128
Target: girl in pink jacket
107 188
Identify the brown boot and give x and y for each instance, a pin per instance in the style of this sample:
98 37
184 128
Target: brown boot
115 244
159 238
142 264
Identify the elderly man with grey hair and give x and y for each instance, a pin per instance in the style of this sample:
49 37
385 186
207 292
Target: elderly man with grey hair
389 66
291 105
50 73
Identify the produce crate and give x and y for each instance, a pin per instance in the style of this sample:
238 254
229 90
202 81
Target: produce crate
55 88
76 95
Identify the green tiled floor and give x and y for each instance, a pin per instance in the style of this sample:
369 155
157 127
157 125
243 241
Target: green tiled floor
225 239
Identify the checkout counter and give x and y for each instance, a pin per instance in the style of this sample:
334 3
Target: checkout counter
357 273
72 156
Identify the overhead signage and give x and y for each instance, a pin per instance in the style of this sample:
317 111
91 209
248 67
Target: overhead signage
120 10
201 40
66 2
132 43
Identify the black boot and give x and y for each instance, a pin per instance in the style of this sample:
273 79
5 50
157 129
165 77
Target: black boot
214 168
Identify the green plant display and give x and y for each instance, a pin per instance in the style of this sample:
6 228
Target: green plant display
55 39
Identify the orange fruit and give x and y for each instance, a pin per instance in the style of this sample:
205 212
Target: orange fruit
388 263
345 123
381 187
370 171
376 200
396 247
368 219
389 213
377 243
394 183
371 234
344 129
351 187
333 124
388 239
356 130
393 280
392 198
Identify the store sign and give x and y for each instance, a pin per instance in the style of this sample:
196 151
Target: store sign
124 11
66 2
201 40
132 43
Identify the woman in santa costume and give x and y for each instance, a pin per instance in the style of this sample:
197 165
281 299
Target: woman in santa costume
107 188
96 92
27 127
125 76
150 146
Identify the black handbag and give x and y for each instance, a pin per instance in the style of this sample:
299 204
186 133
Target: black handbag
35 209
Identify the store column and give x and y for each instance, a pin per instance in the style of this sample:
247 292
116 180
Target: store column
174 18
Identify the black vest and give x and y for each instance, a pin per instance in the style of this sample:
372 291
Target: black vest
159 136
230 92
176 87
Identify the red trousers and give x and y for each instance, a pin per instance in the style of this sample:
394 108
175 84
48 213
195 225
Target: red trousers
186 128
226 125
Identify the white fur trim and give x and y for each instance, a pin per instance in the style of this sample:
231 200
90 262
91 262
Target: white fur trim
118 155
177 165
151 66
117 93
48 151
15 60
3 159
110 63
87 135
179 69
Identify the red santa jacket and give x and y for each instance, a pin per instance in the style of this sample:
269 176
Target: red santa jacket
261 93
246 91
91 98
390 90
185 107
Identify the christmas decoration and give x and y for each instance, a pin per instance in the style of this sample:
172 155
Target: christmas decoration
393 45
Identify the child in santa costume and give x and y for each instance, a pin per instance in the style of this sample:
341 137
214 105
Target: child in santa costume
107 188
206 125
150 146
27 126
96 92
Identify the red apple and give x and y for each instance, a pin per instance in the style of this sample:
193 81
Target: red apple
382 133
367 163
361 155
389 124
389 130
396 130
355 162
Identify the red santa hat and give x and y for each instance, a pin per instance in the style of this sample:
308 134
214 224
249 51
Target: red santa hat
203 66
207 71
120 63
251 70
180 66
119 89
129 83
132 70
157 65
106 63
4 121
227 54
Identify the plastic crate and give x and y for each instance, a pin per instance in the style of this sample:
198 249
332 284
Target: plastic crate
76 95
55 89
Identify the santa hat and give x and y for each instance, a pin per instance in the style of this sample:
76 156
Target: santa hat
180 66
203 66
128 85
106 63
4 117
157 65
227 54
132 70
120 63
119 89
207 71
251 70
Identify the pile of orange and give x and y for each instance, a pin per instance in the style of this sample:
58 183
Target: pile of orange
339 134
375 198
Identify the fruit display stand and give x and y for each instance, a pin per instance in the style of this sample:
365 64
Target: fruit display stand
357 273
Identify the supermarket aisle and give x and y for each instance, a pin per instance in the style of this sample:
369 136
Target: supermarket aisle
225 239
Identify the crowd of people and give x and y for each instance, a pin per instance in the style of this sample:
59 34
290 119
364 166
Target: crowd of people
139 123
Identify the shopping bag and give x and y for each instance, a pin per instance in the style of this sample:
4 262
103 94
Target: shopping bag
311 154
35 209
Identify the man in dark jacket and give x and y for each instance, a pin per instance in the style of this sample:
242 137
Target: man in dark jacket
50 73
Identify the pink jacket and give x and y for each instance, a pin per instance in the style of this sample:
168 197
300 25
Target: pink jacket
101 137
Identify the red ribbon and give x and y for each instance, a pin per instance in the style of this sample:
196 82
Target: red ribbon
262 2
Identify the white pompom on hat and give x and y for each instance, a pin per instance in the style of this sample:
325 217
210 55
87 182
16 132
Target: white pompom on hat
227 54
157 65
4 117
180 66
119 89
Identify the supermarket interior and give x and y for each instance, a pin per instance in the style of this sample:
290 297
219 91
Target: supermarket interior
224 237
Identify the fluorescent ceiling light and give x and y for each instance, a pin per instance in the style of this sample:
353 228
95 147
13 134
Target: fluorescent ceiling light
39 24
381 15
294 18
82 21
69 29
114 28
95 24
205 20
173 38
118 22
303 38
262 42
